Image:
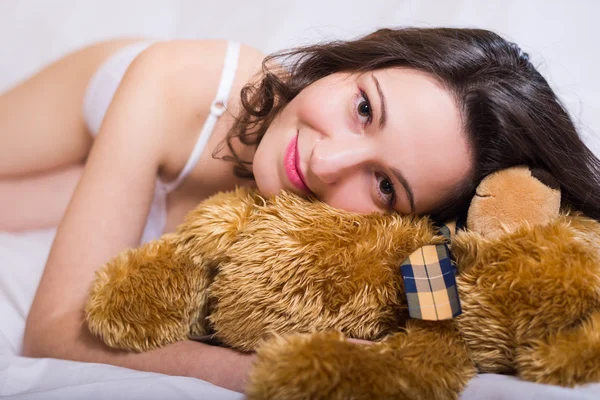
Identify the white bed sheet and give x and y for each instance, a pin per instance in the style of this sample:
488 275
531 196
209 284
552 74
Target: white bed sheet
560 36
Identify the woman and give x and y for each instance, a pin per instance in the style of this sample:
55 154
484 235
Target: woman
402 120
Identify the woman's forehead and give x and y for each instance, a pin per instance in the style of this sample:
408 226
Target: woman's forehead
424 136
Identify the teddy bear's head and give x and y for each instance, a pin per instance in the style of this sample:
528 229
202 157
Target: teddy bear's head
301 266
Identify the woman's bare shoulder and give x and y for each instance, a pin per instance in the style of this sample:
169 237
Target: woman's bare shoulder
192 68
189 72
191 56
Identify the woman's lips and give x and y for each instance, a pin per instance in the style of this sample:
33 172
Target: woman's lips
292 166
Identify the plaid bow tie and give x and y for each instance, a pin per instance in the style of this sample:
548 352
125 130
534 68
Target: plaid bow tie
430 280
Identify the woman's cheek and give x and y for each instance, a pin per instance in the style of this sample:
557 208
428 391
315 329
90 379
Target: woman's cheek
353 194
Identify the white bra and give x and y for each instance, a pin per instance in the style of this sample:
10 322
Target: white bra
98 97
157 218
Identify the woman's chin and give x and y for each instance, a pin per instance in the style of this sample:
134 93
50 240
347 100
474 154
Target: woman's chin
266 187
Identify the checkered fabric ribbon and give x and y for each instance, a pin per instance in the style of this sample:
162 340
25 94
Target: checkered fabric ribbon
430 280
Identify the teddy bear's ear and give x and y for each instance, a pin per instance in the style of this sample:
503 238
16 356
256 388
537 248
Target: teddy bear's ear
430 280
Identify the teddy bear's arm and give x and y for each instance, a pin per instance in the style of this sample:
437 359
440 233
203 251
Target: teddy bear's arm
427 361
569 357
148 297
213 226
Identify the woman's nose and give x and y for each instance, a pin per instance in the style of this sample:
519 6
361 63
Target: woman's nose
333 158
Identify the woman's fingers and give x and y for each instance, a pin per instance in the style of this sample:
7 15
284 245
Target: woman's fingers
359 341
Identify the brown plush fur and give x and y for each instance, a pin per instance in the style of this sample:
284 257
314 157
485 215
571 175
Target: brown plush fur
291 278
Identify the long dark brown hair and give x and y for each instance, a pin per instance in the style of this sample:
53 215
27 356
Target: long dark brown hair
510 114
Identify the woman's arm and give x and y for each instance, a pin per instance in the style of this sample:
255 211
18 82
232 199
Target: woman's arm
107 214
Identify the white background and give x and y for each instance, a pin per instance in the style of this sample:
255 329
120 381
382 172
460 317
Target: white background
561 36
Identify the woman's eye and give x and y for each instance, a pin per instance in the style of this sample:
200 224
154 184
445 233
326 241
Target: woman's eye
363 108
385 190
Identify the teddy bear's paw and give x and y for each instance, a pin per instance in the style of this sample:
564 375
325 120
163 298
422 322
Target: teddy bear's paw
567 358
326 366
143 299
299 366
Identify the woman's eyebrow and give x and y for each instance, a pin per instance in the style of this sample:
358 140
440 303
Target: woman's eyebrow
383 116
407 188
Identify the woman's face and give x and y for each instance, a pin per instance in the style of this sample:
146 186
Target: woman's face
384 140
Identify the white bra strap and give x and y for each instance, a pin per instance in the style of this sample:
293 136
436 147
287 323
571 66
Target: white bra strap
217 108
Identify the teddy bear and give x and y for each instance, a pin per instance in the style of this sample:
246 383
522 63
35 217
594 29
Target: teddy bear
292 278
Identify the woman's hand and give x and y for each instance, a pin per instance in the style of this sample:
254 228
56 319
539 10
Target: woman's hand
359 341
